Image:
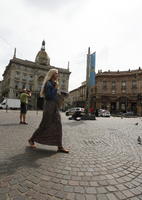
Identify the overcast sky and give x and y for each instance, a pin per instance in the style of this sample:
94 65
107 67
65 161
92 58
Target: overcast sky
112 28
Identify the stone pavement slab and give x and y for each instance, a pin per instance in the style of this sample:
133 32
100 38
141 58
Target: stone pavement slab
104 163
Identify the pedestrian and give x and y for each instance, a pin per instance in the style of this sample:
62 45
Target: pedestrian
49 131
92 110
23 107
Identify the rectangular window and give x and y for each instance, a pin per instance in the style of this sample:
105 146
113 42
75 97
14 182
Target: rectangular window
16 85
104 85
24 86
113 84
17 73
123 83
134 84
123 86
30 87
31 78
63 87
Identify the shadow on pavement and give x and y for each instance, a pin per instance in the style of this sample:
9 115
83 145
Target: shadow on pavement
73 123
25 160
14 124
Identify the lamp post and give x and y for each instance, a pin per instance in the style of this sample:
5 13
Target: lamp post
139 98
141 103
87 82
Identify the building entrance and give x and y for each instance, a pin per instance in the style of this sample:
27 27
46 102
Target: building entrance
40 102
113 107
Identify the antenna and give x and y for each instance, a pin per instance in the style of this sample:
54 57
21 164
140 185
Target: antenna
14 56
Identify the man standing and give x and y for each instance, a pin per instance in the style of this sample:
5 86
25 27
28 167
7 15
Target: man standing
24 102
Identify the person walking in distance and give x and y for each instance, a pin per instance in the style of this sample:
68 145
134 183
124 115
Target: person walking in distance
49 131
24 102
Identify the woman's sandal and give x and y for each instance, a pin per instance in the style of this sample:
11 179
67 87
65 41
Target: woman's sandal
62 150
32 144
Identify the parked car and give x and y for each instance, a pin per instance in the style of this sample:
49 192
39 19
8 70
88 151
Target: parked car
71 111
127 114
10 104
103 113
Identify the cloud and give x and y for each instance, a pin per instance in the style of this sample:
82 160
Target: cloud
54 5
111 28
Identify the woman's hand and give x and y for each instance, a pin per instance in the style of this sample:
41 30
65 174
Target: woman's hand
56 85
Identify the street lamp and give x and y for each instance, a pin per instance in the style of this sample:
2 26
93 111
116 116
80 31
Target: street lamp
139 97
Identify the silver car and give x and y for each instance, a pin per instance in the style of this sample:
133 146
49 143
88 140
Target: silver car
103 113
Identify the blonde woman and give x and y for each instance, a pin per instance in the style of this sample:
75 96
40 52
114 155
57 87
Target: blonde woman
49 131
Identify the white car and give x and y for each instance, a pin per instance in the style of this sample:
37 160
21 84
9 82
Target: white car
103 113
10 104
73 110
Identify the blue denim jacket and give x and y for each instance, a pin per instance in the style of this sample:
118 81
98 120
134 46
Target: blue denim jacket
50 91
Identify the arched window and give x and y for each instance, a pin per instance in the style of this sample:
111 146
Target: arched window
40 79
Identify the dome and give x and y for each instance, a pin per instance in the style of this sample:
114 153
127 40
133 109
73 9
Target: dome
42 57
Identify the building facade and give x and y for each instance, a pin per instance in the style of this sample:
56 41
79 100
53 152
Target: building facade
1 91
119 91
77 97
20 74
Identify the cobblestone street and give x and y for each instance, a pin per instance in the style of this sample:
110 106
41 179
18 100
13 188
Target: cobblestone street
104 163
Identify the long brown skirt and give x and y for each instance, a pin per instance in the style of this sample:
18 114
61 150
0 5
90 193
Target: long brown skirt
49 131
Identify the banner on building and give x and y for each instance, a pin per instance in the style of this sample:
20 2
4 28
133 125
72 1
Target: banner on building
92 69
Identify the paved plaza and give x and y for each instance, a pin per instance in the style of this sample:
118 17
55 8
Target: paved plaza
104 163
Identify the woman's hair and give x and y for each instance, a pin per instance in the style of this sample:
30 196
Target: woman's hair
48 77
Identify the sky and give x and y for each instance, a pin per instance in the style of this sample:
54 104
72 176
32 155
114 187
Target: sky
112 28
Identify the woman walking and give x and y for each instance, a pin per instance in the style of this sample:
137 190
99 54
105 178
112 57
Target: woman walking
49 131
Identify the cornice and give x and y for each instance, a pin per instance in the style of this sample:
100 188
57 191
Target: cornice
34 65
119 73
